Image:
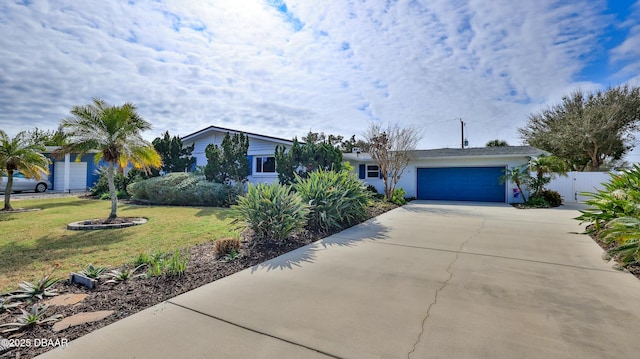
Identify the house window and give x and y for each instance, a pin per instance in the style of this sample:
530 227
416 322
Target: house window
265 164
373 171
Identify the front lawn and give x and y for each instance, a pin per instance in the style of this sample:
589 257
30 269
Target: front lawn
32 242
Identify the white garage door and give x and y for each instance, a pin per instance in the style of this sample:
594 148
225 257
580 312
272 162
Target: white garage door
77 176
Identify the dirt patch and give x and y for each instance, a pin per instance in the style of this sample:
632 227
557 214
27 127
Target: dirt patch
134 295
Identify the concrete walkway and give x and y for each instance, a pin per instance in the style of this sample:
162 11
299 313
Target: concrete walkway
429 280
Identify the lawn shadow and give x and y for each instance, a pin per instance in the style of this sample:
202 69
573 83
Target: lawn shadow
5 217
57 204
46 249
370 230
221 213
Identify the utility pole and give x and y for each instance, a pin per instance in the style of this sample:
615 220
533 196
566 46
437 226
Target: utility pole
463 141
461 134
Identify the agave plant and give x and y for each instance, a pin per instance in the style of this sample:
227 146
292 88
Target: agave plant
94 272
40 289
123 274
5 305
231 255
35 316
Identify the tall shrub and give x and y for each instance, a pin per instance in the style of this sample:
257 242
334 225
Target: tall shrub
335 198
181 189
271 211
228 162
302 159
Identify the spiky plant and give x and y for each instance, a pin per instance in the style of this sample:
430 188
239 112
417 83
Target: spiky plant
6 305
334 198
272 211
36 316
123 274
94 272
40 289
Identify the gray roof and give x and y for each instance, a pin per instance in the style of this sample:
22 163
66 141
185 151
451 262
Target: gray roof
222 129
480 151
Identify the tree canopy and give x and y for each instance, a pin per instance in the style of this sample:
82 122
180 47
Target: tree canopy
391 149
116 133
587 129
497 143
317 152
19 153
228 162
175 157
46 137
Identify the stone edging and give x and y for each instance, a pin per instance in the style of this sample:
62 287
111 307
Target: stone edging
86 225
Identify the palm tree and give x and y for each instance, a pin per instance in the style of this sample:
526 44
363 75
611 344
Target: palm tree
545 166
19 153
517 175
115 132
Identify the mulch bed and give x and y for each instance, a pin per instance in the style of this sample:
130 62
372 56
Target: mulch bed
632 268
134 295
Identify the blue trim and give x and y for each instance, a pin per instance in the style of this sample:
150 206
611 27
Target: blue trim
92 176
250 159
362 171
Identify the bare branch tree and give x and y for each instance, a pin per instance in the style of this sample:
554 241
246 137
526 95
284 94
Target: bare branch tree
391 149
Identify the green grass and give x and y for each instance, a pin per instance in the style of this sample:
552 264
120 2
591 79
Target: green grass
32 242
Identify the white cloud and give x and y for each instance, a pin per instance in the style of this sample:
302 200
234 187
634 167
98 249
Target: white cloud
244 64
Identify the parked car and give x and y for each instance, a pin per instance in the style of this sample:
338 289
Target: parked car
22 183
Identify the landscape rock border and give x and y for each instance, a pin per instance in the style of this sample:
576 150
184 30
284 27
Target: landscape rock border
91 225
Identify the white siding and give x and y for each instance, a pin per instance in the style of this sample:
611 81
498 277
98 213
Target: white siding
270 178
257 147
201 144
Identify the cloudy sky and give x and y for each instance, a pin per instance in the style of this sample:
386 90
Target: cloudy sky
282 68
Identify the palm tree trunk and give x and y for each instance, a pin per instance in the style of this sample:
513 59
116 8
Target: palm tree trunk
7 191
524 198
112 190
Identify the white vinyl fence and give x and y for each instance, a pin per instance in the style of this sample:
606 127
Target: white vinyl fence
572 186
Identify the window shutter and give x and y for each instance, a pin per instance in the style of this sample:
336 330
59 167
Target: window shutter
250 159
380 176
362 171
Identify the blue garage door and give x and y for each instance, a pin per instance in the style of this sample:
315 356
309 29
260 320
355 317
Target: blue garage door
480 184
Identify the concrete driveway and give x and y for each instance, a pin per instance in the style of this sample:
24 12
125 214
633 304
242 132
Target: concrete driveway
429 280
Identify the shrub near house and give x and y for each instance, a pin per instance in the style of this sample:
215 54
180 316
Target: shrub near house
181 189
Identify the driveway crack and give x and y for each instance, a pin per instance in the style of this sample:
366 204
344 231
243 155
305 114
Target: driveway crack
444 285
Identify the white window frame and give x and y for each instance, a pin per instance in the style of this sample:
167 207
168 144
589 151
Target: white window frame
255 165
370 171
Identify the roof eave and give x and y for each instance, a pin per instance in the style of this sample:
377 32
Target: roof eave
195 135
